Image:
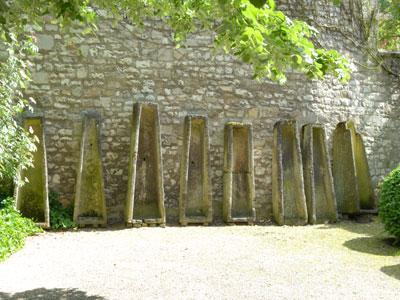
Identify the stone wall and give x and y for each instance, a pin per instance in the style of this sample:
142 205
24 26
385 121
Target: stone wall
121 64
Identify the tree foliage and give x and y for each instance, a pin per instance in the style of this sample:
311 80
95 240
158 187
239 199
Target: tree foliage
253 30
18 21
15 144
389 24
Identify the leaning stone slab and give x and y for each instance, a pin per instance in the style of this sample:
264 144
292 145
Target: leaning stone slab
344 169
318 180
238 202
365 189
90 206
195 204
288 197
145 197
32 197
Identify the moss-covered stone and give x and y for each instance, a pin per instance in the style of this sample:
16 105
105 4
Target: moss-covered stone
344 169
353 183
318 180
365 189
288 197
32 197
90 206
145 198
238 202
195 204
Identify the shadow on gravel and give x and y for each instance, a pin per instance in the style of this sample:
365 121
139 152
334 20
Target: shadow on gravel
373 241
367 226
392 271
373 245
50 294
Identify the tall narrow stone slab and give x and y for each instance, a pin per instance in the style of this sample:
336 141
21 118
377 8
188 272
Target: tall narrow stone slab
32 197
90 206
344 169
318 180
145 198
238 202
365 189
195 186
288 197
363 192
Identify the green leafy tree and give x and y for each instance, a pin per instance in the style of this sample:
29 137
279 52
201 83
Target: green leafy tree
389 24
18 21
254 31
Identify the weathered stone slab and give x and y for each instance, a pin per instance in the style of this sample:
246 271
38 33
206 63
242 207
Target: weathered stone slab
364 193
195 200
318 180
32 197
344 169
238 202
365 189
288 197
90 207
145 198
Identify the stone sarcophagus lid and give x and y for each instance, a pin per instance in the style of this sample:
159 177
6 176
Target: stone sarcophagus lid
365 189
288 197
145 197
90 206
195 200
353 186
318 180
32 197
238 202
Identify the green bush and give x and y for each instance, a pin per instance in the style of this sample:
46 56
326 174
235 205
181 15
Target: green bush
6 187
13 228
60 217
389 204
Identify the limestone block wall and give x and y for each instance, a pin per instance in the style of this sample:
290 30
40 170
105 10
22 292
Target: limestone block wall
122 64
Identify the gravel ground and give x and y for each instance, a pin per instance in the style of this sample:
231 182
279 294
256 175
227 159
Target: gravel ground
347 260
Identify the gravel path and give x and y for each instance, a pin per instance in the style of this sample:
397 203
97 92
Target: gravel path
233 262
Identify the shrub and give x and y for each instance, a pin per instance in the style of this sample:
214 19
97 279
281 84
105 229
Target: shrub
13 228
6 187
389 204
60 216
